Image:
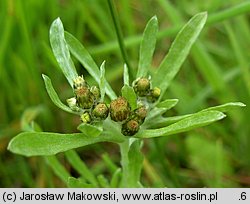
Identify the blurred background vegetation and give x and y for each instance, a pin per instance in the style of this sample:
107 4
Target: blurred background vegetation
216 71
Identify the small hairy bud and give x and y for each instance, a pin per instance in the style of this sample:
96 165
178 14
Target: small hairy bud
154 94
79 82
142 86
100 111
129 128
84 98
119 109
140 114
85 117
72 104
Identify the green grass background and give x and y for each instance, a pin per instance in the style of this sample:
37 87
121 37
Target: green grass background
216 71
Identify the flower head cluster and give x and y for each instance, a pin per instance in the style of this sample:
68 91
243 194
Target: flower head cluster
87 102
142 87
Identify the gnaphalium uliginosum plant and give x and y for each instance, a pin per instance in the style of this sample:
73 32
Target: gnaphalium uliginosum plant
128 118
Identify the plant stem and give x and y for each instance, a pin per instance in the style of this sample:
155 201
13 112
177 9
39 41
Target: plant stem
124 149
119 35
131 161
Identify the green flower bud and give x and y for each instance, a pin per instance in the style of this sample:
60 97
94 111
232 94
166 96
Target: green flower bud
119 109
154 94
85 117
140 114
72 104
96 92
100 111
84 98
142 86
129 128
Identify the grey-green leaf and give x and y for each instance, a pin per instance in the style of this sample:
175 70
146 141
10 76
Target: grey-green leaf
135 163
53 95
178 52
147 47
167 104
61 51
46 143
80 53
195 120
102 84
129 93
226 107
125 75
90 130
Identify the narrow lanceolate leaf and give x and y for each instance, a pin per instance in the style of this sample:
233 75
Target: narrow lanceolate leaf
53 95
61 51
45 143
178 52
147 47
129 93
226 107
125 75
167 104
90 130
80 53
102 84
155 115
195 120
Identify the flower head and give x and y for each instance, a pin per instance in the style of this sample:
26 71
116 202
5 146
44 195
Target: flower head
100 111
119 109
130 127
142 86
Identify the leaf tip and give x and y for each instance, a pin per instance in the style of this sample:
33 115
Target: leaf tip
242 104
44 76
221 115
103 64
204 13
155 18
57 20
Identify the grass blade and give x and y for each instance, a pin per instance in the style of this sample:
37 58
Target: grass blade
167 104
147 47
89 129
178 52
115 180
80 167
58 168
77 183
80 53
53 95
61 51
195 120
